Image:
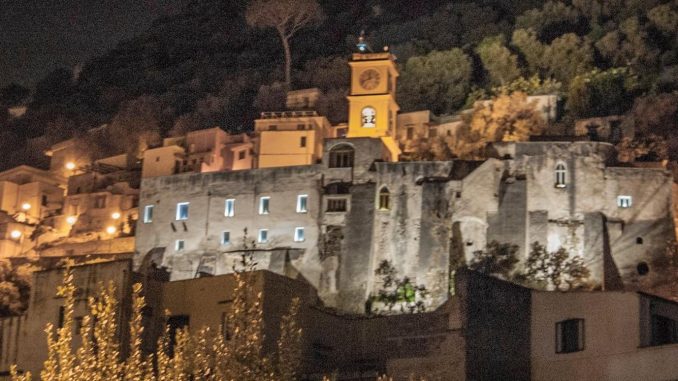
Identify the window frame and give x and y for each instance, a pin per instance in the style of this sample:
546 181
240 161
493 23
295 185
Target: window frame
384 199
262 236
561 345
299 234
336 201
341 156
624 201
561 175
225 237
179 245
264 205
148 213
229 212
302 142
302 206
178 215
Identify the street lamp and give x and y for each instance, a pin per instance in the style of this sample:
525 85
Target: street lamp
70 165
71 220
110 230
25 206
15 234
115 215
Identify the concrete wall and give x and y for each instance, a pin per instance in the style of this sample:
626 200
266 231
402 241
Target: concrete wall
612 349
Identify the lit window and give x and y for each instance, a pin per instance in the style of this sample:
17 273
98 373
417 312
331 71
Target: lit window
225 238
263 236
298 234
369 117
561 173
148 214
179 245
336 204
624 201
570 336
384 199
302 203
302 142
182 211
264 205
229 209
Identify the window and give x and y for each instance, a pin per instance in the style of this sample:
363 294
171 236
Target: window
561 173
100 202
179 245
624 201
301 127
182 211
264 205
302 203
225 238
298 234
241 155
341 156
410 133
336 204
263 236
44 200
302 142
639 240
432 133
369 117
148 214
663 330
570 336
273 127
384 199
229 209
78 325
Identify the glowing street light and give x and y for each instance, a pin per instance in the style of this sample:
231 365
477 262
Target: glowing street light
110 230
71 220
25 206
15 234
115 215
70 165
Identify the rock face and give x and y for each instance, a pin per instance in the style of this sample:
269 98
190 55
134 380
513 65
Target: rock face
423 217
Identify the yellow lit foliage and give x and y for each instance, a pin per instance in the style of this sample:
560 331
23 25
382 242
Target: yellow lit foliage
509 117
203 355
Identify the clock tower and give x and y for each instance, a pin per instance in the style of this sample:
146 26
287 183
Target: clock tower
372 104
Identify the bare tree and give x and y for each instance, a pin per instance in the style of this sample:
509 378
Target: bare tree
287 17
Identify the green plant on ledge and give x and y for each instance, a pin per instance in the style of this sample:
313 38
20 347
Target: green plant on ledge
396 291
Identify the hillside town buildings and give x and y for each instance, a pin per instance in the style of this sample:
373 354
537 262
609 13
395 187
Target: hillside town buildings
320 207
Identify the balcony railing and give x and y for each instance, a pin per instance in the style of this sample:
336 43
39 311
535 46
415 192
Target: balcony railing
286 114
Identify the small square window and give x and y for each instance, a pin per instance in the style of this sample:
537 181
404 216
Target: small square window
624 201
263 236
273 127
148 214
100 202
264 203
179 245
298 234
302 142
302 203
225 238
301 127
241 155
229 209
182 211
570 336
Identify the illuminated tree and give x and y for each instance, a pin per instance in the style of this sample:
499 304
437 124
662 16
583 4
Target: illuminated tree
505 118
202 355
287 17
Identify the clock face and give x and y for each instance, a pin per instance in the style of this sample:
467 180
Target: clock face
369 79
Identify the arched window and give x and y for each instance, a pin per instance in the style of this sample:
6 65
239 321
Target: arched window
341 156
384 199
369 117
561 175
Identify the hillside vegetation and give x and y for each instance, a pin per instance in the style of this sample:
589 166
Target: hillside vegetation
205 66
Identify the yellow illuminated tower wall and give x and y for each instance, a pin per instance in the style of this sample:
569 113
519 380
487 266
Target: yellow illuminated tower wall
372 105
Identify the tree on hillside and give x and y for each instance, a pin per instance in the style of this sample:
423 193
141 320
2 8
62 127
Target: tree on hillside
13 94
136 125
508 117
438 81
287 17
501 65
532 50
15 287
601 93
566 57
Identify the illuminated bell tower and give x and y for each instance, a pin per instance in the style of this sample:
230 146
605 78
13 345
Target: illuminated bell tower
372 105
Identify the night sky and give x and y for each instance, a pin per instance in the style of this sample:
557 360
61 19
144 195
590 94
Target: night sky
38 36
